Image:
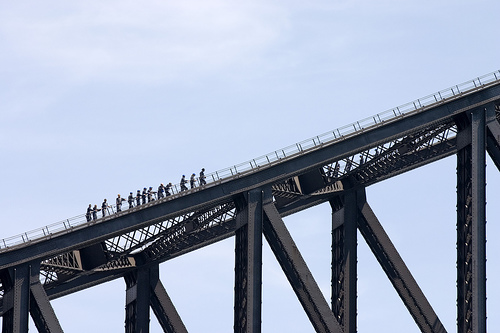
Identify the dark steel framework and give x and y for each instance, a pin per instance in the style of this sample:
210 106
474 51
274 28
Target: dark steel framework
251 207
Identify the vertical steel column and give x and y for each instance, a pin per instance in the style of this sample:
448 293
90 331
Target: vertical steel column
464 235
338 265
248 265
479 219
344 262
471 228
16 299
137 301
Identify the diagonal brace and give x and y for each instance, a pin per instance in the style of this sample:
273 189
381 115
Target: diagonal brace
162 306
397 272
41 310
493 135
297 272
145 290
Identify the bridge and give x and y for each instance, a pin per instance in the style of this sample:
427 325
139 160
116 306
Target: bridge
248 202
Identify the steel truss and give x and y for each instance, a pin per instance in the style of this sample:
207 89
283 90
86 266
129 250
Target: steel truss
255 208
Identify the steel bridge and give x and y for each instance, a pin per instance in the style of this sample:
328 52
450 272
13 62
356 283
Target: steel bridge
249 200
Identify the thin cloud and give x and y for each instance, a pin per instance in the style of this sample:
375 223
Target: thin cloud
153 40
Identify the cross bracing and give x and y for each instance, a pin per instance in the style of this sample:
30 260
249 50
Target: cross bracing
127 244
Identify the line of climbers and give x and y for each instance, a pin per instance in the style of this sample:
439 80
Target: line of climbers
146 196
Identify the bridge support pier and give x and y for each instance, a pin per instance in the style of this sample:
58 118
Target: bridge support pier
344 262
137 301
16 299
260 216
355 214
471 226
248 265
144 289
24 295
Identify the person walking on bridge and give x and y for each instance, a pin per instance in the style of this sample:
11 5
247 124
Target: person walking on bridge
202 177
130 200
94 212
104 207
88 215
143 195
161 191
151 194
119 201
183 183
192 180
138 198
167 189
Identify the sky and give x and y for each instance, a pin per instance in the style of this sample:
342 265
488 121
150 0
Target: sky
101 98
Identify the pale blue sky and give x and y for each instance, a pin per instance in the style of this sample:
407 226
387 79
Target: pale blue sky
108 97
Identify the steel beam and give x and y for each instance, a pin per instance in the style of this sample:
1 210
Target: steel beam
144 289
338 259
297 272
248 265
493 150
493 135
464 235
162 306
16 299
41 310
471 223
478 221
344 262
396 270
137 301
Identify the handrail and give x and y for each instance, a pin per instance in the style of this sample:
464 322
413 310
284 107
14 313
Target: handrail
275 157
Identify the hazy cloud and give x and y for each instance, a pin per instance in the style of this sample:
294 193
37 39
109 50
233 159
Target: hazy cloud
137 40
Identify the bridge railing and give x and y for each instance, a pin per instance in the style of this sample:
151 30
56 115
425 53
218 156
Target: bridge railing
276 156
